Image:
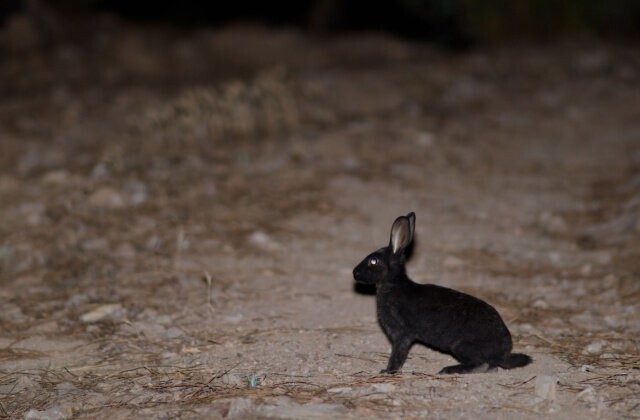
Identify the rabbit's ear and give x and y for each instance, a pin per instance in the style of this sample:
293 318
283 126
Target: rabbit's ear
412 224
402 233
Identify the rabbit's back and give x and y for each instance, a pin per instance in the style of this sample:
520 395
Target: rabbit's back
442 318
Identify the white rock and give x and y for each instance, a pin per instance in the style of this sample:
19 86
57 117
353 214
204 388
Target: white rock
546 387
263 241
55 177
593 348
453 262
233 318
109 311
149 329
53 413
106 197
540 304
552 223
585 270
384 387
173 332
339 390
588 395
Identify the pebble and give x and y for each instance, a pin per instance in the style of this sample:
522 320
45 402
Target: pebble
588 395
33 213
56 412
610 281
137 192
76 299
106 197
263 241
233 319
585 270
552 223
384 387
12 313
453 262
173 332
593 348
540 304
149 329
339 390
56 177
546 387
109 311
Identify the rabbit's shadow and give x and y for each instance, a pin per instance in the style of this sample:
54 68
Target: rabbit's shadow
370 289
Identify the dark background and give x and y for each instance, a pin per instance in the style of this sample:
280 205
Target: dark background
452 23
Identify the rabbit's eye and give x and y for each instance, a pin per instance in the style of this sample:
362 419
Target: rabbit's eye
373 261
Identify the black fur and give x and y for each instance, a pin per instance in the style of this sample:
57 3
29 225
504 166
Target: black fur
442 319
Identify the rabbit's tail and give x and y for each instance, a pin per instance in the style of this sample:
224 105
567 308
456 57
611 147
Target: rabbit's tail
514 360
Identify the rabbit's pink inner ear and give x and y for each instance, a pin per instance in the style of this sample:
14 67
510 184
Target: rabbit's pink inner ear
400 234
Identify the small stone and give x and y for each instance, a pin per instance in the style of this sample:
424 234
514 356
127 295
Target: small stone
106 197
109 311
552 223
149 329
540 304
593 347
602 257
137 192
588 395
33 213
453 262
546 387
233 319
57 412
189 350
55 177
610 281
263 241
76 299
12 313
384 387
585 270
125 250
95 244
173 332
425 139
339 390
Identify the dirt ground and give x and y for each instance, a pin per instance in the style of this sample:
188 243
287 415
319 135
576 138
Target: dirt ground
180 212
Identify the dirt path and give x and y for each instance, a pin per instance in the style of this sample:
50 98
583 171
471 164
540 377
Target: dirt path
180 215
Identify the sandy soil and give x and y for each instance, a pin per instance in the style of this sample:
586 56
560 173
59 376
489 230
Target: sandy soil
180 213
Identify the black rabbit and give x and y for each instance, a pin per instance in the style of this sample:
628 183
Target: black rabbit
442 319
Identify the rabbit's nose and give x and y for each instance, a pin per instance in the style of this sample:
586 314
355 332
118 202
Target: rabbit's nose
356 273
